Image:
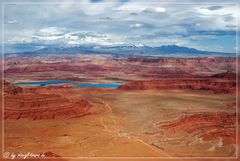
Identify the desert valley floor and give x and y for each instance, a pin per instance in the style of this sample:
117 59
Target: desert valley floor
161 107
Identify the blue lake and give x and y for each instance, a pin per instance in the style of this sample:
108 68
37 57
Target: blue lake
57 82
42 83
99 85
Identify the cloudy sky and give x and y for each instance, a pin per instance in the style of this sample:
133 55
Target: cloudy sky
205 26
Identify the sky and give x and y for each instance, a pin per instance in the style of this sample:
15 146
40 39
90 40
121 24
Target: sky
207 25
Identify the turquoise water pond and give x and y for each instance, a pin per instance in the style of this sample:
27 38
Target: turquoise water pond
99 85
42 83
57 82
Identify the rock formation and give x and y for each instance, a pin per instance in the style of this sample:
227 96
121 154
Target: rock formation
34 106
11 89
207 126
215 85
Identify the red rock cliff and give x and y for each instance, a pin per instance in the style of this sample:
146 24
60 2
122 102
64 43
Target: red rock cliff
213 84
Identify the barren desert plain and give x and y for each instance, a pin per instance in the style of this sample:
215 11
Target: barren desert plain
94 105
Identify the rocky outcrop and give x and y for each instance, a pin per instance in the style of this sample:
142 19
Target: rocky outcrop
207 126
231 105
40 106
216 85
11 89
226 75
19 104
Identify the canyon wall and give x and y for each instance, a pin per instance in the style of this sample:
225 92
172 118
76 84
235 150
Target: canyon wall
19 104
214 84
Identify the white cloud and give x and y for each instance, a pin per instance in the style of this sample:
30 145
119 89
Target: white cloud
154 10
50 31
71 37
12 21
130 7
75 23
55 35
136 25
160 9
74 42
48 38
16 40
139 45
221 11
97 40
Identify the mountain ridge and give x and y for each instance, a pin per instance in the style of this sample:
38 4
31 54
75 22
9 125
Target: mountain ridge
126 50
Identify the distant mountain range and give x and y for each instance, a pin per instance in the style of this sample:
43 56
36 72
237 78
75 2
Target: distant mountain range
165 50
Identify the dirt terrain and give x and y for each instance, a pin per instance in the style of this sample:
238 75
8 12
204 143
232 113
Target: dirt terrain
165 107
